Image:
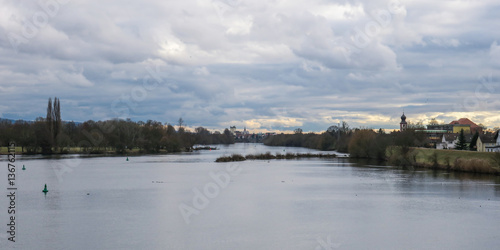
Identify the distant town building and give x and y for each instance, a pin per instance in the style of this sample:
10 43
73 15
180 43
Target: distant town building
488 143
461 123
457 128
447 127
403 125
444 136
434 136
495 147
448 141
467 125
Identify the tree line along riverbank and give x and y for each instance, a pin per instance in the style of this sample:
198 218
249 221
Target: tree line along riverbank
406 149
50 135
104 137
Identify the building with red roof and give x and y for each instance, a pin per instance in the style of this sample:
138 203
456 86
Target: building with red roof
465 121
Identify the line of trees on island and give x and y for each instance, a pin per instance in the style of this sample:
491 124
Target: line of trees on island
52 135
334 138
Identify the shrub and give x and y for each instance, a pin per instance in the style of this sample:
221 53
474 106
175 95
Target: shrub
473 165
433 158
402 156
234 157
365 143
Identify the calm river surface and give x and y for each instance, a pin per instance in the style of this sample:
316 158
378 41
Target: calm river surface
187 201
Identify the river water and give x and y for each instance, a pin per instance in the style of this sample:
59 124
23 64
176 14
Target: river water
187 201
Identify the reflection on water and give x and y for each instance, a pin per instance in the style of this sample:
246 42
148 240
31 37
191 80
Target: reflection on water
111 203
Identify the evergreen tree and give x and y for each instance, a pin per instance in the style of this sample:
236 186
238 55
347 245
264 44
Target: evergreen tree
461 144
49 121
57 116
50 116
53 121
473 142
57 123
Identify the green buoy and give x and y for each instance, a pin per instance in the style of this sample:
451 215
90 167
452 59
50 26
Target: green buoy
24 168
45 189
127 158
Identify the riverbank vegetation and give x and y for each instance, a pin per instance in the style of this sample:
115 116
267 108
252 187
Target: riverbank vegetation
465 161
50 135
407 149
112 136
335 138
269 156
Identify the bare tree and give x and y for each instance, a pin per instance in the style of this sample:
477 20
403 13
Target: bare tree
483 127
433 121
180 122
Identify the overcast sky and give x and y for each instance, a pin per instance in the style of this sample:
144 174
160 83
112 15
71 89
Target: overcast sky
266 65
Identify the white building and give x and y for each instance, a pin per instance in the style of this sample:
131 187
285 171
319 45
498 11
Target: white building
496 146
448 141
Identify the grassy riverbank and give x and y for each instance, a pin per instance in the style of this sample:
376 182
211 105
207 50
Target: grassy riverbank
458 160
103 151
4 150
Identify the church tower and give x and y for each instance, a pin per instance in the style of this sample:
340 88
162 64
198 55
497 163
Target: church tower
403 125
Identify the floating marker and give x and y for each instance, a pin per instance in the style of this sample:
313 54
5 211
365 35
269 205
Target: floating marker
24 168
45 189
127 158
